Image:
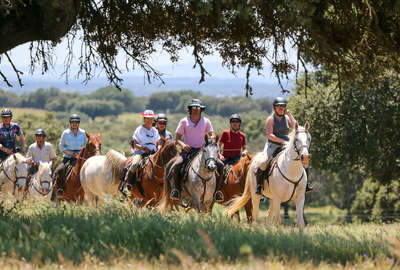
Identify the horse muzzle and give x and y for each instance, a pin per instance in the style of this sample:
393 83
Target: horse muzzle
305 159
211 166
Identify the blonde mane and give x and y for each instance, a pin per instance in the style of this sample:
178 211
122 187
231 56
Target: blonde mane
116 160
43 167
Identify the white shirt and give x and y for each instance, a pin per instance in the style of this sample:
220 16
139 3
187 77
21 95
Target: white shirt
45 154
147 138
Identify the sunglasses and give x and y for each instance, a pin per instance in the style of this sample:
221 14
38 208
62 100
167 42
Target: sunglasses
74 122
235 121
282 106
196 107
162 123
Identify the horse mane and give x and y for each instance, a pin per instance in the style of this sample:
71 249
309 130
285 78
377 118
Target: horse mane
19 157
116 160
43 166
292 136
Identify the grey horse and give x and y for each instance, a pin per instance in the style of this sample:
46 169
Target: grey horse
200 184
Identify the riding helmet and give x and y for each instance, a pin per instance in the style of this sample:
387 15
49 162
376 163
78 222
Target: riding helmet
74 118
40 131
279 101
161 117
6 112
235 116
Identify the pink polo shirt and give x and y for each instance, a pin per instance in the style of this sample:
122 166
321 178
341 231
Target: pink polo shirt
194 133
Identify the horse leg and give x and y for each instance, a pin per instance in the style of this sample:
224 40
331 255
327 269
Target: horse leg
255 199
237 214
270 214
299 210
276 206
248 207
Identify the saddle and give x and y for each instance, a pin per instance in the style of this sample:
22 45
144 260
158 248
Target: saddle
144 160
271 163
186 164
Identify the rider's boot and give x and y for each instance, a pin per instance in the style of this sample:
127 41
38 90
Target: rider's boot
260 181
122 179
308 186
58 174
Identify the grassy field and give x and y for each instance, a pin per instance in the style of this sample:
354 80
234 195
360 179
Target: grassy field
118 236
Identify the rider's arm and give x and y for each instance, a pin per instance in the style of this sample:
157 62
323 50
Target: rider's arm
244 147
270 131
178 140
22 141
291 120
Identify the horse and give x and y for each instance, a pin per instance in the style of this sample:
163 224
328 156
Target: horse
235 181
201 180
100 175
41 185
13 174
287 180
73 189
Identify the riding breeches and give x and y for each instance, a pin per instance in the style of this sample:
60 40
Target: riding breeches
269 150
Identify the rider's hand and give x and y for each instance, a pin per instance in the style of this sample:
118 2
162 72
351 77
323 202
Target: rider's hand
8 151
221 157
186 148
244 153
147 150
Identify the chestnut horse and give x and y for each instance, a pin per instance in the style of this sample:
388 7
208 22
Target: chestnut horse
73 189
149 186
235 182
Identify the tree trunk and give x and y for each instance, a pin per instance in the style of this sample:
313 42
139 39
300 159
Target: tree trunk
30 20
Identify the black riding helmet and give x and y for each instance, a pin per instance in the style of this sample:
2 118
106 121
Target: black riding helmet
161 117
40 131
235 116
196 103
6 112
279 101
74 118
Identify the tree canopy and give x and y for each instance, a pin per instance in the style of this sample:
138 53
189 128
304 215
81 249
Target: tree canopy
358 38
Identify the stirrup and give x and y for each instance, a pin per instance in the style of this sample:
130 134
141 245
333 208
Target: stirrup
259 189
60 192
175 194
219 196
309 188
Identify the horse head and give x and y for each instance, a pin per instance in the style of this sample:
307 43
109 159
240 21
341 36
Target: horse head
44 176
93 146
302 141
168 150
210 153
20 170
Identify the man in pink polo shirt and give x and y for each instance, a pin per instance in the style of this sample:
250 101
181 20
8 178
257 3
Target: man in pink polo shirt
193 128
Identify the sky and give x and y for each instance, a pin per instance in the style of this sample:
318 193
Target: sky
159 60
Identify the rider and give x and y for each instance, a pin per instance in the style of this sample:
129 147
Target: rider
234 141
72 141
8 132
194 128
145 141
40 151
277 129
161 125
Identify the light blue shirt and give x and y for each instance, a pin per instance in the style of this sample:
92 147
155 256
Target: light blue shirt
71 142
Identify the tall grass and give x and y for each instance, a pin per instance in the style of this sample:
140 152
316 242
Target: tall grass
49 233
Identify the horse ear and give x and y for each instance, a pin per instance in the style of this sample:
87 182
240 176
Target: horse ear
15 157
216 139
307 126
29 160
206 139
87 135
296 126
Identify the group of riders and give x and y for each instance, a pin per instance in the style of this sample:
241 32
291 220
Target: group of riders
146 140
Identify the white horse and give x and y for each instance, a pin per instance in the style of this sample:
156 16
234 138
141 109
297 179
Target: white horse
41 185
201 181
100 175
287 181
13 174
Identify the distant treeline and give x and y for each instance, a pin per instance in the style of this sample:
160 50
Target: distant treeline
111 101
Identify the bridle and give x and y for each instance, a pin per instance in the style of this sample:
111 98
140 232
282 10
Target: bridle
298 150
15 173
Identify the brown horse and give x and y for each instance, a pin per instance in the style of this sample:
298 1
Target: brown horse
72 189
149 180
235 180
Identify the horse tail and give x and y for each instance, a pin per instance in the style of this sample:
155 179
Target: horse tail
239 202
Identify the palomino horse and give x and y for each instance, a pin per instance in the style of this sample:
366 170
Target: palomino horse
201 181
287 180
13 174
73 189
41 185
100 175
235 181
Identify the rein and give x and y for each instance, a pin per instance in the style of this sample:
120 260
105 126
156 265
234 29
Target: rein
295 183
